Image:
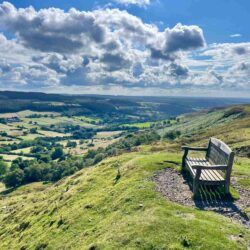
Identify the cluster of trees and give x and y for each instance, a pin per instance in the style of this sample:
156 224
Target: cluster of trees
172 135
48 142
3 121
24 171
39 115
3 133
77 131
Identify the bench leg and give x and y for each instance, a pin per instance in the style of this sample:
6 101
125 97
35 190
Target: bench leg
195 187
227 188
184 159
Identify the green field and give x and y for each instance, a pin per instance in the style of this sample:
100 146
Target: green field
9 157
139 125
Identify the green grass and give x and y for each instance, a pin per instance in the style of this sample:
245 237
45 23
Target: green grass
52 133
8 142
4 127
47 121
22 150
91 209
2 187
88 119
25 113
198 127
245 182
9 158
30 136
140 125
107 134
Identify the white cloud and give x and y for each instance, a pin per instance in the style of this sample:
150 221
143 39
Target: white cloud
235 35
141 3
51 29
112 49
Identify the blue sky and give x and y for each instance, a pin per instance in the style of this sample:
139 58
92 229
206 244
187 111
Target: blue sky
202 47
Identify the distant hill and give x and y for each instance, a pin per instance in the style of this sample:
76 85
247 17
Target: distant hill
146 107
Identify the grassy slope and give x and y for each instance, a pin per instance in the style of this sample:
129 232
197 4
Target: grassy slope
234 130
197 127
89 209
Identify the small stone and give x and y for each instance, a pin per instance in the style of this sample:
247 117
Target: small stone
88 206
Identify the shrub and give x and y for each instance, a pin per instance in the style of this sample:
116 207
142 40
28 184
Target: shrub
98 158
33 130
172 135
58 153
3 168
33 173
14 178
71 144
37 149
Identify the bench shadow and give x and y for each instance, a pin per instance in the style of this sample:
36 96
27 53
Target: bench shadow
213 198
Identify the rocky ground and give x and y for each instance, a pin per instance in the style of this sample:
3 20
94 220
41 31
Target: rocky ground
176 187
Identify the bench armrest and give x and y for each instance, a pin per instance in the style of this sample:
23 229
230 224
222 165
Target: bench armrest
212 167
186 148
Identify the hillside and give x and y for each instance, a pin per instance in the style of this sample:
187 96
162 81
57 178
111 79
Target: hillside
231 125
114 205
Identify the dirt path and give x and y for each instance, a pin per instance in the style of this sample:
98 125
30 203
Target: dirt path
175 186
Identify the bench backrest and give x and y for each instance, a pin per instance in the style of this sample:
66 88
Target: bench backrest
219 153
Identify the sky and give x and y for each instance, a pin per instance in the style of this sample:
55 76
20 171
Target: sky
126 47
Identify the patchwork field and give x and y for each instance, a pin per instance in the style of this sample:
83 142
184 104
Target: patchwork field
53 126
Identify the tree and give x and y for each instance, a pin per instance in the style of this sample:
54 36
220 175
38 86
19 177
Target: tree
171 135
57 153
3 168
19 163
37 149
71 144
14 178
33 173
99 157
44 158
33 130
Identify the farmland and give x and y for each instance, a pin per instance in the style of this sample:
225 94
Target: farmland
51 125
38 123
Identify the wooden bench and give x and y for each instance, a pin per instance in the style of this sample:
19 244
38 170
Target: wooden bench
214 169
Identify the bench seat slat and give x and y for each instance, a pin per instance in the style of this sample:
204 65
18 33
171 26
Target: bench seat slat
206 174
